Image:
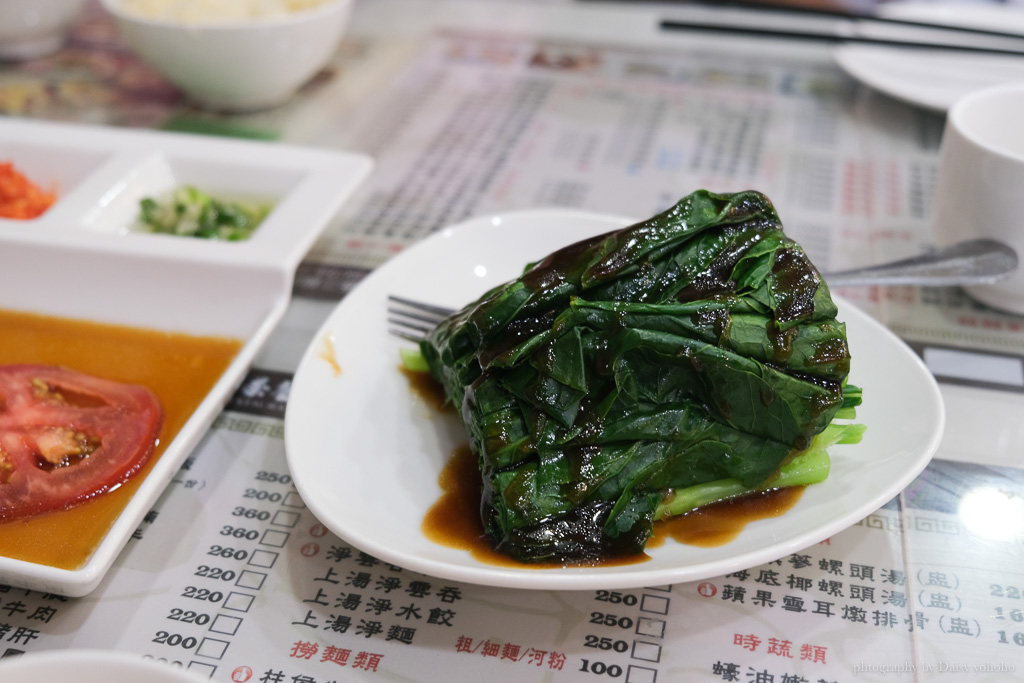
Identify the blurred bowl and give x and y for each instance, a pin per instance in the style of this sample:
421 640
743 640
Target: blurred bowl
35 28
91 666
242 64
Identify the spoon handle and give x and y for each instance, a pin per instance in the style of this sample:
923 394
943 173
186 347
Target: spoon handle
979 261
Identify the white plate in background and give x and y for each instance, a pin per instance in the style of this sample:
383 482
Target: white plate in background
91 666
365 453
79 260
935 79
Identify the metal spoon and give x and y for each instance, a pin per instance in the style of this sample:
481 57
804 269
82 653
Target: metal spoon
981 261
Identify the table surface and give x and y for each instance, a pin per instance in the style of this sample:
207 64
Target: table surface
477 107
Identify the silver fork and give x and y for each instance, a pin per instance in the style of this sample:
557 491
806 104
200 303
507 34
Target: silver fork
413 319
964 263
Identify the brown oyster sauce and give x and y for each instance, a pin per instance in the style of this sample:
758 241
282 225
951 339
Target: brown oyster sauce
180 369
454 519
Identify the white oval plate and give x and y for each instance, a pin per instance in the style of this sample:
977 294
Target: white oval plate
365 452
935 79
91 666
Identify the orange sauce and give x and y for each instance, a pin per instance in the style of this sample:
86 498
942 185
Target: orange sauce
427 390
180 369
454 520
328 355
720 523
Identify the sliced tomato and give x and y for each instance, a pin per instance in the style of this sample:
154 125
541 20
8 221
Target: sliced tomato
66 437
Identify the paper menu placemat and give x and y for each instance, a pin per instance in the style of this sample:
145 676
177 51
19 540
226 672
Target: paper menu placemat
230 576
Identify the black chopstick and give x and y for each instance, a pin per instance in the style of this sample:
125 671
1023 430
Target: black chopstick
763 31
857 20
864 18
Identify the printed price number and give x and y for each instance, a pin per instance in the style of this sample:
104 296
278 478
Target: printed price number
600 668
273 477
229 553
605 643
187 616
1013 614
204 594
1006 638
209 572
616 598
239 532
261 494
174 663
175 640
605 619
251 513
1000 591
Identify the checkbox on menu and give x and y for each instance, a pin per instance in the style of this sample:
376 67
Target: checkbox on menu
641 674
288 519
263 558
250 579
202 668
225 624
654 603
649 626
292 500
212 648
276 539
649 652
238 602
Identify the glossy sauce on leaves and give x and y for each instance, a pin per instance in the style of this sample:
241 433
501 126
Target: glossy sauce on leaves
697 345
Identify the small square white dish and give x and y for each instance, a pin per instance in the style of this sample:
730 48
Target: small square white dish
80 260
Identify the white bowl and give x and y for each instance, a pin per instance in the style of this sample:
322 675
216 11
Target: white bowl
237 65
92 666
35 28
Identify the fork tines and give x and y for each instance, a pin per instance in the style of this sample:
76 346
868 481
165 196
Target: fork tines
413 319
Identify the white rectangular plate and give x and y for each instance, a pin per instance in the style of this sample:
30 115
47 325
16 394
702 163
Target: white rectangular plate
81 260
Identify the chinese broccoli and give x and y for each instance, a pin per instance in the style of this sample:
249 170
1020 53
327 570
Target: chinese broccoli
691 357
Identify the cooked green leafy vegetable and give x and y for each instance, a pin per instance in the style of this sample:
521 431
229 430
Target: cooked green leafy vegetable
688 358
191 212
